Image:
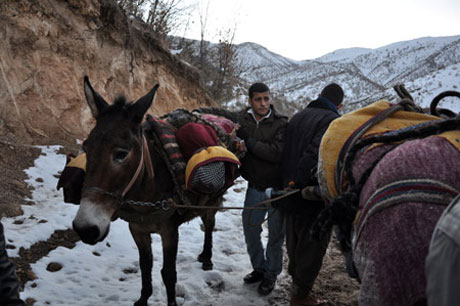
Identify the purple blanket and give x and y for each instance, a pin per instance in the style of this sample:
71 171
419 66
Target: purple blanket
392 245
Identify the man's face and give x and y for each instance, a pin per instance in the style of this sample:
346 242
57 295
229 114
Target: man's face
260 104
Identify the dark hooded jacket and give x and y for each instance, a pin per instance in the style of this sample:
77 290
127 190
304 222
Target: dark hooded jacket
300 158
261 166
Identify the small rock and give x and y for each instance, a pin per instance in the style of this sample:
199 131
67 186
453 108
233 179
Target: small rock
39 179
10 246
129 270
96 254
54 267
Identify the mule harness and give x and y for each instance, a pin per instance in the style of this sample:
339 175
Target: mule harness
146 161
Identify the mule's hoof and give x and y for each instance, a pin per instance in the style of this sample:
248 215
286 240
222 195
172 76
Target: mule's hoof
140 303
172 303
207 263
206 266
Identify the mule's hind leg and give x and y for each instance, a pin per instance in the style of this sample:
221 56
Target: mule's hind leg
170 240
209 221
144 246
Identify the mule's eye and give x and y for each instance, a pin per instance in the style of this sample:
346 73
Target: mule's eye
120 155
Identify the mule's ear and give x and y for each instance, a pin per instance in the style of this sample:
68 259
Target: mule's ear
96 103
141 106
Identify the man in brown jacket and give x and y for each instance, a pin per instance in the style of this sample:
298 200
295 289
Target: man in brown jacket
262 130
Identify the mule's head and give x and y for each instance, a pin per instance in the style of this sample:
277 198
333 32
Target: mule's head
113 151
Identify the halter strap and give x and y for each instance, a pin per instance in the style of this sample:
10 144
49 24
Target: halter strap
145 159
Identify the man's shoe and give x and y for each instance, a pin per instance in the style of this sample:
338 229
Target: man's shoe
253 277
266 286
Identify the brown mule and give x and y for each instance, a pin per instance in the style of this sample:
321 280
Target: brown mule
117 176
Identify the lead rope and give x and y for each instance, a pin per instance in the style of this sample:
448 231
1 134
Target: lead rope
255 207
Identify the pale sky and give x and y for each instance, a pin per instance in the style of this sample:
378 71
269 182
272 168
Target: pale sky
306 29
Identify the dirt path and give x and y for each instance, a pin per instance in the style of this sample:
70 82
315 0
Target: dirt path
15 157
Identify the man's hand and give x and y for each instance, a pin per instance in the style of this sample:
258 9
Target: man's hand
242 133
311 193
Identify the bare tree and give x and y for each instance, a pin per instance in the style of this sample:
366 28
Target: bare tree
162 16
226 74
217 62
133 7
203 24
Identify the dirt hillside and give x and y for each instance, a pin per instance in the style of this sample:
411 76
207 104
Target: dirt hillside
49 46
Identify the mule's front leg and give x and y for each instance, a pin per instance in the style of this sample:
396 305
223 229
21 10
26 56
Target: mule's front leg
209 221
144 245
170 239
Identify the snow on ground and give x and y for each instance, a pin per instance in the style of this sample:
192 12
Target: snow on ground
108 273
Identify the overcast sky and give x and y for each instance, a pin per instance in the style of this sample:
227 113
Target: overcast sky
307 29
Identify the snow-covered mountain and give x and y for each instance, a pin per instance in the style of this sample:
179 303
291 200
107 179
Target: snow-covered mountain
427 66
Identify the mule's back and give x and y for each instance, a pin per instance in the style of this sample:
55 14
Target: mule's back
342 129
405 187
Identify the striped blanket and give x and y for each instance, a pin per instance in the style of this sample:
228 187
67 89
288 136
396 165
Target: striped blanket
399 206
400 202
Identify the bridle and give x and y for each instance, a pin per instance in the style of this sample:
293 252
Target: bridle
144 161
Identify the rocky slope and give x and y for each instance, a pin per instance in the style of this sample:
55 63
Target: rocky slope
49 46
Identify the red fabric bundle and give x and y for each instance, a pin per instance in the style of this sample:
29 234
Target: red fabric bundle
194 136
225 124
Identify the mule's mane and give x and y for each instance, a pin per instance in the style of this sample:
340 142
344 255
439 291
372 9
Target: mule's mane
120 104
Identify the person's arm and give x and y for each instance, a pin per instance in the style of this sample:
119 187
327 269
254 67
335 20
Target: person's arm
272 150
9 283
306 169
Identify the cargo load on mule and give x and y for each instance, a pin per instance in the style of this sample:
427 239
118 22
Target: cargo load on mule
387 172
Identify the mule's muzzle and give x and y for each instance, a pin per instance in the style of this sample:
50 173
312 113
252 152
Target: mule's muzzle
89 234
